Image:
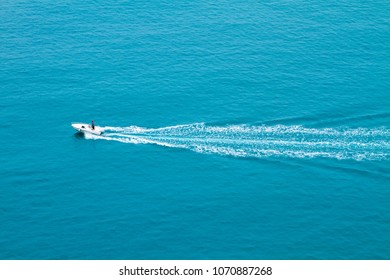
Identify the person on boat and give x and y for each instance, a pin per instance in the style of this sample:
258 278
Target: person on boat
93 125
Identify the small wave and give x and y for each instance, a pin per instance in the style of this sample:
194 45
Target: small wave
261 141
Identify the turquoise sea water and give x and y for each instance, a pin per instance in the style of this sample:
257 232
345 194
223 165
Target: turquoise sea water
234 130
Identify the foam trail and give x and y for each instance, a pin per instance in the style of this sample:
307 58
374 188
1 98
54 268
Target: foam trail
261 141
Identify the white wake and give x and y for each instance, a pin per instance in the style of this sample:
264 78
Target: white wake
261 141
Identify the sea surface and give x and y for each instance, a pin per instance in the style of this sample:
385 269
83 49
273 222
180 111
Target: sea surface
233 129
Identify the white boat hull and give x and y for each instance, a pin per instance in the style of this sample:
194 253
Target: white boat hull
86 128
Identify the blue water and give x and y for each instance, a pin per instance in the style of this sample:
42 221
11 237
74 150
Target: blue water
233 129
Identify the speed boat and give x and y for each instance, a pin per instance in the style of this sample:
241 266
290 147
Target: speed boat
87 128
